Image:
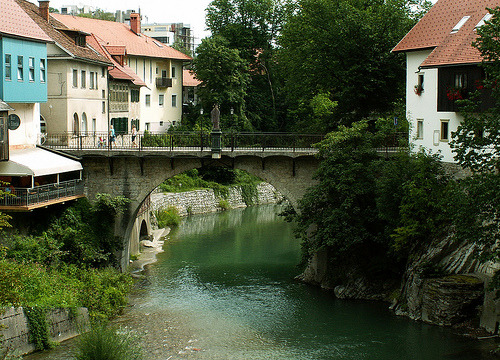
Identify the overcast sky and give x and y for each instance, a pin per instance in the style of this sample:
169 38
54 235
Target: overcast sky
186 11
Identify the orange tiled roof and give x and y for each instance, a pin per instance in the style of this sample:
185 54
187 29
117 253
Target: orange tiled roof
115 33
78 52
188 78
16 22
117 71
434 31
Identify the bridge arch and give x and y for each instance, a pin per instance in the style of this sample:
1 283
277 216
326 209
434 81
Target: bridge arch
135 177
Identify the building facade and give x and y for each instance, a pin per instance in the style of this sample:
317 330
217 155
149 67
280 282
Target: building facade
442 67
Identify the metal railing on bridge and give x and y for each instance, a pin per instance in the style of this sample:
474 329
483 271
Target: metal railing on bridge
195 140
202 141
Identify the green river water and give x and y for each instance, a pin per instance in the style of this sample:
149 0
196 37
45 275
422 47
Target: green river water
224 289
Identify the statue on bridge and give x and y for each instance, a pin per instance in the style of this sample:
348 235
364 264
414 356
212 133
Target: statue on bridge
215 117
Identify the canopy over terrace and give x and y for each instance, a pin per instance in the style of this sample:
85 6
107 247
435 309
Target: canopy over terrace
37 177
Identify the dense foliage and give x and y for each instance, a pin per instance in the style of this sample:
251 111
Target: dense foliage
372 211
305 65
65 260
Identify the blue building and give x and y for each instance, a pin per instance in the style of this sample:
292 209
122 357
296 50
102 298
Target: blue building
35 177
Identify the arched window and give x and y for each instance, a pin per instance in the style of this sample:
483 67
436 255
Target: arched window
84 124
76 124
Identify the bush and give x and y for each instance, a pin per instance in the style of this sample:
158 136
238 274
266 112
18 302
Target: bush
168 217
224 204
107 343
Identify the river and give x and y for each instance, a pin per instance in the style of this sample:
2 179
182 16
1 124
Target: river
224 289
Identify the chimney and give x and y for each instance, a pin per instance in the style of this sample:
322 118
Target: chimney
43 6
135 23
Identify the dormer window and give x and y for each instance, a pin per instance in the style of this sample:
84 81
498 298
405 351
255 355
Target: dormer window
485 18
460 24
80 40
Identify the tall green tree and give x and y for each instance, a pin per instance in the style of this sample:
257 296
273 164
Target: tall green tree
252 28
343 47
224 75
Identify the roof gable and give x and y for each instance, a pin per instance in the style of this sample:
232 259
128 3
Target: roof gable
115 34
17 23
436 30
62 40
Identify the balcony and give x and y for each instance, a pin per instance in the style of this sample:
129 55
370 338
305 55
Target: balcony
26 199
163 82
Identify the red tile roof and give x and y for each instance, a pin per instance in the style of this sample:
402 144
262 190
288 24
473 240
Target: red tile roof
116 71
434 31
114 33
188 78
16 22
61 39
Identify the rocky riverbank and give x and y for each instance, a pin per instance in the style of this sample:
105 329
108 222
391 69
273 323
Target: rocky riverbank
445 285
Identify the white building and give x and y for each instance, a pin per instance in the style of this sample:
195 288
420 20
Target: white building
157 65
442 67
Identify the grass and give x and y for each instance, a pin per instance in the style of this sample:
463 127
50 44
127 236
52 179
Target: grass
108 343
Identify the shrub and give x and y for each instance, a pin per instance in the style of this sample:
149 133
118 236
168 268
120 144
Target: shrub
168 217
107 343
224 204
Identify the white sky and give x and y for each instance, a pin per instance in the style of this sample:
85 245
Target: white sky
186 11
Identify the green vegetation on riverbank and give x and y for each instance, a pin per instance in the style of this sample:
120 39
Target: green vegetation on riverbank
65 258
219 179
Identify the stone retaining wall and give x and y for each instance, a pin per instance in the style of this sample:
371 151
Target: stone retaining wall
15 334
205 201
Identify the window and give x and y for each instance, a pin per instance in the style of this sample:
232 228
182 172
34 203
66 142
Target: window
94 122
420 129
75 78
485 18
174 100
20 74
96 81
146 125
173 71
148 100
84 124
134 95
460 24
161 100
104 94
91 83
420 83
75 124
460 81
42 70
445 130
103 72
161 123
84 77
164 73
31 68
104 107
8 67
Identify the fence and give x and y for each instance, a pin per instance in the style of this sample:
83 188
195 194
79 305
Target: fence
42 193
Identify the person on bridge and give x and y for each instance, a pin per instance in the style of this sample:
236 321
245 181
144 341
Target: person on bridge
112 136
134 135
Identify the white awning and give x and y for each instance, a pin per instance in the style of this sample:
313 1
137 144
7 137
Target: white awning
36 162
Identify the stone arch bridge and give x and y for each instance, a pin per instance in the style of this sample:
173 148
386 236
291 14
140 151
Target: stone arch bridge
135 173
